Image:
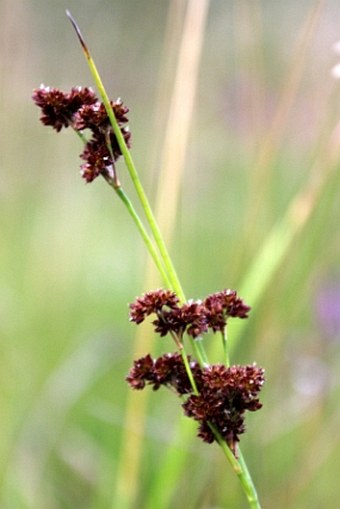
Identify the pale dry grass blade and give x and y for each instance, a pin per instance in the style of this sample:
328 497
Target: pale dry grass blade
170 175
283 235
260 175
248 16
180 115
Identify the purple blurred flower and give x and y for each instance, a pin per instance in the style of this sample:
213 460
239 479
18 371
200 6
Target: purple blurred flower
327 307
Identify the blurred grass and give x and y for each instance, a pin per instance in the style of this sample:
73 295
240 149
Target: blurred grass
71 261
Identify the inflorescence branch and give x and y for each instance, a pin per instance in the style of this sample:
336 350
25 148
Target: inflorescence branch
215 395
221 394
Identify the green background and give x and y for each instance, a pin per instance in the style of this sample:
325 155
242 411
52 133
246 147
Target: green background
71 260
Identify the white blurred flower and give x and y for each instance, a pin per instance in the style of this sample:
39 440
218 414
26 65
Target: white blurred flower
335 71
336 47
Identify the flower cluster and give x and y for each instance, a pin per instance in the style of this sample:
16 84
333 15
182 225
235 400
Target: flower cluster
81 109
193 317
219 395
223 393
167 370
58 108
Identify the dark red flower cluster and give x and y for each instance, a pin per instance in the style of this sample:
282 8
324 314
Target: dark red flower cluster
224 394
194 317
152 302
81 109
220 305
58 108
167 370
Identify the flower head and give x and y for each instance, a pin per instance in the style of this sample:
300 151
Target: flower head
189 317
94 116
97 158
221 305
152 302
224 393
81 109
224 396
141 372
193 317
167 370
80 96
58 108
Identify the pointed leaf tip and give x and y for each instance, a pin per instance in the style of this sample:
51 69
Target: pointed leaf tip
78 32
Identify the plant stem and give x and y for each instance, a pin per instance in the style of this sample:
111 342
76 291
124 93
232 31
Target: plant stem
164 265
80 135
241 470
175 284
172 275
248 484
148 242
188 370
132 211
225 346
239 467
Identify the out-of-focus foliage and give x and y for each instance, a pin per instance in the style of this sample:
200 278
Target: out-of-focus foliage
71 260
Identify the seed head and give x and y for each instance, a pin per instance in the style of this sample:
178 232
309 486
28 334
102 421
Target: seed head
58 108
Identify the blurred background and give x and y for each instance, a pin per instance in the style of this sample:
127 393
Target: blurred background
234 116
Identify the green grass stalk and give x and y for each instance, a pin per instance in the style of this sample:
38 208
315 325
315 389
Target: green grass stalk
175 284
147 240
239 467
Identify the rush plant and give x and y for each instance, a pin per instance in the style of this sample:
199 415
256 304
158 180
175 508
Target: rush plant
216 396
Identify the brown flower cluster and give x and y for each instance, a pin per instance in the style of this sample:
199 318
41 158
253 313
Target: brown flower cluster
193 317
167 370
81 109
224 394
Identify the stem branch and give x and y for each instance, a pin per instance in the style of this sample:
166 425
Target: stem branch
165 266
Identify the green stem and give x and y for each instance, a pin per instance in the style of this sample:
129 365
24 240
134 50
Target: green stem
188 370
196 344
172 275
200 352
248 485
241 470
175 284
164 264
151 248
239 466
225 346
80 135
131 210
